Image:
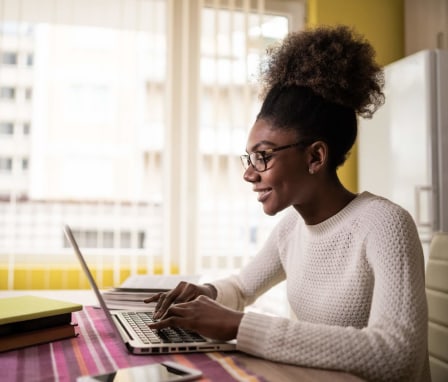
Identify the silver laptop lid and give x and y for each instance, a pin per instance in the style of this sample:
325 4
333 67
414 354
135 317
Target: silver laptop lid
85 268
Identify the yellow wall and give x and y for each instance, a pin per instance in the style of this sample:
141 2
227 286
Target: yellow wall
382 23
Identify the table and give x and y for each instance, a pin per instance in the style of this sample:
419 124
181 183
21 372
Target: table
97 350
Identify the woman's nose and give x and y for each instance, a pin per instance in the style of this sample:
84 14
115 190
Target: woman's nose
250 174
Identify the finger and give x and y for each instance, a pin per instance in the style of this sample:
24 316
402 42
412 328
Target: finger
173 322
163 324
159 297
178 310
169 298
165 301
158 310
186 295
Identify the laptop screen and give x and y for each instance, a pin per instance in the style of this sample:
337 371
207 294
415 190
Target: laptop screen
85 268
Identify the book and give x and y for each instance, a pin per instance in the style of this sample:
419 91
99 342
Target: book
35 337
155 283
131 293
43 322
129 300
28 308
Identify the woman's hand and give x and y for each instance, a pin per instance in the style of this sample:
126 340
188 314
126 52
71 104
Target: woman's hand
183 292
204 316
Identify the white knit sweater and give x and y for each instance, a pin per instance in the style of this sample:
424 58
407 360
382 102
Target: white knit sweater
356 285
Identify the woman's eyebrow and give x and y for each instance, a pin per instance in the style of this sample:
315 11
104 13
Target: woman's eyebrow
261 143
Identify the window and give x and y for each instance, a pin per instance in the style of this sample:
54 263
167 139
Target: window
98 239
108 239
90 239
26 128
6 128
7 92
12 28
9 58
28 94
5 164
232 43
125 239
137 129
29 59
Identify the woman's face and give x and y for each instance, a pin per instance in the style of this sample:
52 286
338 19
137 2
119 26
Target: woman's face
286 180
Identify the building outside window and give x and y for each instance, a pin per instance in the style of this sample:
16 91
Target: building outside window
136 131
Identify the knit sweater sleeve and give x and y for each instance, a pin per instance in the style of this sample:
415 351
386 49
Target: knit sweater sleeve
392 344
263 272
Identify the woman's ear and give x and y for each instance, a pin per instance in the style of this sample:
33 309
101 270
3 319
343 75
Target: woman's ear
317 156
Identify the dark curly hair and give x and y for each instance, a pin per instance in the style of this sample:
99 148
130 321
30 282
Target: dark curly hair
317 81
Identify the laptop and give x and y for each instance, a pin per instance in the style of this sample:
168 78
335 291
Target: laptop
132 327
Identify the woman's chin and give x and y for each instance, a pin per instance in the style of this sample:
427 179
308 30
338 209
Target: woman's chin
268 210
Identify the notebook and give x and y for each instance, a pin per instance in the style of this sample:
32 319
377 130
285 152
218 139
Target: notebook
132 327
32 308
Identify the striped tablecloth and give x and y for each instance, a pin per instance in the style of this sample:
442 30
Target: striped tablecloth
96 350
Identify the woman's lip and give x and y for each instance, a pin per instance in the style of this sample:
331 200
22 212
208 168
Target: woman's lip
263 194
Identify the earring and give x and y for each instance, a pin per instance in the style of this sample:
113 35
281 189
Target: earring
311 171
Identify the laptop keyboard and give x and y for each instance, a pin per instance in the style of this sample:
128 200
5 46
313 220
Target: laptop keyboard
139 322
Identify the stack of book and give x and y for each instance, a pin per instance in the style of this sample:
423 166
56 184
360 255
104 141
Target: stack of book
31 320
131 293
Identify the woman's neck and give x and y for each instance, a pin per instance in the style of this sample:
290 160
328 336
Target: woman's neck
326 203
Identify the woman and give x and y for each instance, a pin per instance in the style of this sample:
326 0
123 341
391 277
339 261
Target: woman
353 263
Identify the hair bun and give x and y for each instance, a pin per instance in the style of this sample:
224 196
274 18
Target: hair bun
334 62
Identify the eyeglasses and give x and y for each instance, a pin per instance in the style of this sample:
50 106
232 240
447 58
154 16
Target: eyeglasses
259 159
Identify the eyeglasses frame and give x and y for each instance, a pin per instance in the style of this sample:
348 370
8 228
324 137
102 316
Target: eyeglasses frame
246 161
